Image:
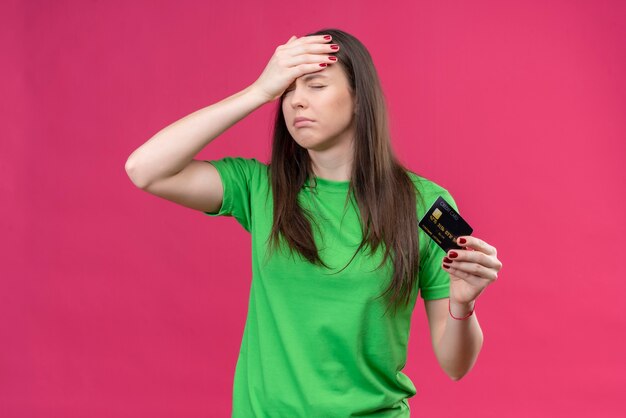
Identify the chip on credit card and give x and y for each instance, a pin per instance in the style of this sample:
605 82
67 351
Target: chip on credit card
444 225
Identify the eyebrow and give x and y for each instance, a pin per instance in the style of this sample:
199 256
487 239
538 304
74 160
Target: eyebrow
311 76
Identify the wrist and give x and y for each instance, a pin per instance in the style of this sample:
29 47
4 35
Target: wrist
258 96
461 310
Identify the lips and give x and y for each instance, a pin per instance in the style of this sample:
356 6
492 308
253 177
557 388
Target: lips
301 119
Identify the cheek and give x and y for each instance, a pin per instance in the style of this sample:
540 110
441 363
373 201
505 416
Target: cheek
341 109
287 116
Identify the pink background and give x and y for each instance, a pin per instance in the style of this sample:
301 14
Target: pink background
116 303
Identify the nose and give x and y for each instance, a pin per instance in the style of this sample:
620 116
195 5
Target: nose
297 98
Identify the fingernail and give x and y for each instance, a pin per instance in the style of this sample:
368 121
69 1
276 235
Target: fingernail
323 64
462 240
447 260
332 58
327 37
453 254
334 46
446 267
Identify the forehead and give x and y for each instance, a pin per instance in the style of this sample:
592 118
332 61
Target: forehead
331 72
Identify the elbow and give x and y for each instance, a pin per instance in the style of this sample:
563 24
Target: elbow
460 374
456 378
131 172
456 374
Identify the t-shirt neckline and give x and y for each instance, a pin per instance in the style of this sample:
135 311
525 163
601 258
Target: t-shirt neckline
322 184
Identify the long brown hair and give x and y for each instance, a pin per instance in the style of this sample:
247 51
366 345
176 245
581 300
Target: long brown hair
383 191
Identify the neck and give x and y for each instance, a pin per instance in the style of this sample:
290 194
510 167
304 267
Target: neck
334 163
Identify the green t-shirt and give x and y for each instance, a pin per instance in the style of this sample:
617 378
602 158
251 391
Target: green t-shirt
316 344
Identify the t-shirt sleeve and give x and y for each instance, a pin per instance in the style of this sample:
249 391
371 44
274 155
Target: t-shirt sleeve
434 281
236 174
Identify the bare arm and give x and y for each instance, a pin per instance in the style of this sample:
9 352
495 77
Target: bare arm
164 165
171 150
456 343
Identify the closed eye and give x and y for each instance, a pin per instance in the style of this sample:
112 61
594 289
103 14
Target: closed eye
315 87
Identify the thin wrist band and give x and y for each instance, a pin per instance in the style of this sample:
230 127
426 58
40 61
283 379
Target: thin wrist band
466 316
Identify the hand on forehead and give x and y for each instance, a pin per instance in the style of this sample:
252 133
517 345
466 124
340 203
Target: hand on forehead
324 74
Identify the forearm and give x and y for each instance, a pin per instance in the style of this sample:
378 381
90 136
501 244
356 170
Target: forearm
173 147
461 342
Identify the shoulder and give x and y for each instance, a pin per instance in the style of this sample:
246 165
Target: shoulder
427 192
251 163
248 167
425 186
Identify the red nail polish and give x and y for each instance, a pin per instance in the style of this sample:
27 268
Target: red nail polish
327 37
462 240
323 64
453 254
446 267
447 260
334 46
332 58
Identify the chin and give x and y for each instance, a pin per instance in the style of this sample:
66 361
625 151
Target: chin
315 145
305 141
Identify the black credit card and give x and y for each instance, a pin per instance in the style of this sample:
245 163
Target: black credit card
444 225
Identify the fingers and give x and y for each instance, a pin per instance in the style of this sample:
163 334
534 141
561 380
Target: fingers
310 61
473 257
471 270
311 44
311 48
307 54
479 259
295 58
314 39
472 279
477 244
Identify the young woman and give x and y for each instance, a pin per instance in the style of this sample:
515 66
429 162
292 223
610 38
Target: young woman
335 238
